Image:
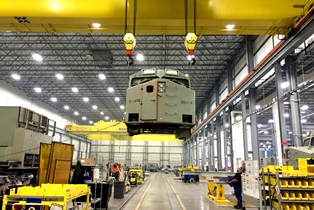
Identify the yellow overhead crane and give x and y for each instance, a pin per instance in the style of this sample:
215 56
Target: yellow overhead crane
154 17
114 130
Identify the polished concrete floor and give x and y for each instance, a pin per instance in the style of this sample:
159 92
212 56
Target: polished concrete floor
162 192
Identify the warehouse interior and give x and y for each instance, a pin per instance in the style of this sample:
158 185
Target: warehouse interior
218 86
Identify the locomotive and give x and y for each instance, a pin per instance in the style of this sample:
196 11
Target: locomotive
160 101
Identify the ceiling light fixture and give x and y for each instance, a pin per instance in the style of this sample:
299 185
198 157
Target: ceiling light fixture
76 113
83 118
102 113
259 125
90 122
265 132
285 85
230 26
110 89
186 75
16 76
122 107
94 107
257 107
117 99
140 57
227 125
303 121
59 76
66 107
74 89
304 107
270 121
96 25
286 115
106 118
37 57
85 99
37 89
54 99
102 76
238 117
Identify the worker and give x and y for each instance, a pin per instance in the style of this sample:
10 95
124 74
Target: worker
116 171
237 185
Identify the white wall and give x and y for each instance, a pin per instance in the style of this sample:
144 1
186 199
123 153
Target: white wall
11 96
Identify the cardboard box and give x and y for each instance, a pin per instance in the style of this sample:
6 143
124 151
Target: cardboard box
87 161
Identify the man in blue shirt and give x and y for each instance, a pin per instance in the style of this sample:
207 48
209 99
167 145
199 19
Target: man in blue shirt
236 182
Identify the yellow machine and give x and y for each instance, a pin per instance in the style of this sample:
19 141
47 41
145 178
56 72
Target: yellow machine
189 168
57 194
136 176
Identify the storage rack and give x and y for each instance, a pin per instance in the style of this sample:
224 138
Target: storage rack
46 195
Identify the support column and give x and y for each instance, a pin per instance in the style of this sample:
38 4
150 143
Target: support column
197 150
278 112
295 115
254 131
219 158
230 139
204 148
249 53
229 79
217 95
225 140
192 150
244 127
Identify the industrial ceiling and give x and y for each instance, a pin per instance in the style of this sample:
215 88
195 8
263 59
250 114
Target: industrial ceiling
62 33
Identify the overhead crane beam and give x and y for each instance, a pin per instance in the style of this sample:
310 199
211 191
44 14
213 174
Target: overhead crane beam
114 130
153 17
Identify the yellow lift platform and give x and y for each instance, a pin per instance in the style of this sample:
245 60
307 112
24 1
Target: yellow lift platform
115 130
50 195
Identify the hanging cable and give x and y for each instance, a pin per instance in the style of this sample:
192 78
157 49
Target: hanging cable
126 17
134 19
186 15
195 16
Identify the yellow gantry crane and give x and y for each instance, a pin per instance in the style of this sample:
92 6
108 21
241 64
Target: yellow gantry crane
114 130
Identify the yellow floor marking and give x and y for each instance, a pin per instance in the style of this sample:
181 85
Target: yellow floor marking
181 204
141 200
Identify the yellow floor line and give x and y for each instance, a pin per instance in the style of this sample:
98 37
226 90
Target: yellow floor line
141 200
181 204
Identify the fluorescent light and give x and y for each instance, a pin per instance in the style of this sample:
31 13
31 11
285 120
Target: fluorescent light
286 103
59 76
304 135
76 113
37 89
74 89
257 107
140 57
54 99
96 25
186 75
286 115
285 84
259 125
230 26
122 107
106 118
85 99
227 125
290 132
16 76
37 57
265 132
303 121
110 89
238 117
267 142
304 107
83 118
102 113
102 76
117 99
270 121
66 107
90 122
94 107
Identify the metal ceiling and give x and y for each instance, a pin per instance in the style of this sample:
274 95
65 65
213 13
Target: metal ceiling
82 57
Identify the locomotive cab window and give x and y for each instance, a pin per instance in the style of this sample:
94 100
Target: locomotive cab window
150 89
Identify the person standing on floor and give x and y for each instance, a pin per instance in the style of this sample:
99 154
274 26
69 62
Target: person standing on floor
237 185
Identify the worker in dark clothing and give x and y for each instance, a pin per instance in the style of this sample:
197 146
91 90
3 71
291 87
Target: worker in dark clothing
236 182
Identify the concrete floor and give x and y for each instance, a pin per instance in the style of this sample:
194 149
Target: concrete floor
162 192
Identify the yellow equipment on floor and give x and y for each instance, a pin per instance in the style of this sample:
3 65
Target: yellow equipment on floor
48 194
139 177
189 168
